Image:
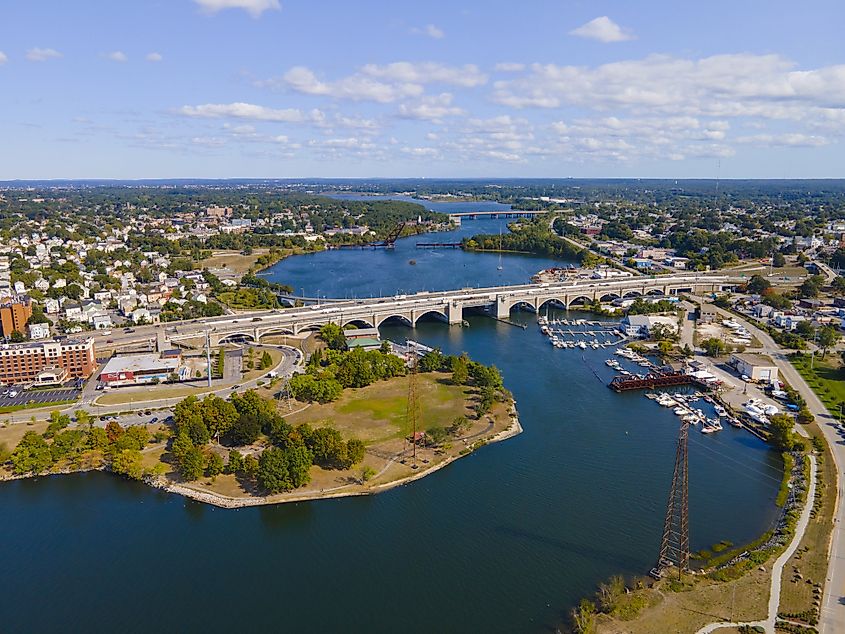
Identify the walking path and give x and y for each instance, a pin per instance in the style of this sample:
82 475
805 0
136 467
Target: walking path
777 569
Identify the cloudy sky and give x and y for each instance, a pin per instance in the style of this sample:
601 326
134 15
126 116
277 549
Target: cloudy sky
457 88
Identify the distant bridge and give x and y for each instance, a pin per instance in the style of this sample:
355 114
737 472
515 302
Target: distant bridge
445 305
502 213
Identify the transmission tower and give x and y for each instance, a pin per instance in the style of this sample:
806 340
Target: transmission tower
413 407
674 547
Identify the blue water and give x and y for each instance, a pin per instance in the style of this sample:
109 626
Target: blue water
504 540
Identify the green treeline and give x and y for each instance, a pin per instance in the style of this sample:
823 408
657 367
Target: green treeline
527 237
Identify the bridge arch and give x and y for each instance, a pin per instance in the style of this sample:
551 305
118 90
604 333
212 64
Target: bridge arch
632 294
522 305
357 323
275 331
554 302
580 300
402 319
609 297
437 314
655 291
233 337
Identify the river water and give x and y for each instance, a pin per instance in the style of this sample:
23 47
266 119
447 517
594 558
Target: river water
504 540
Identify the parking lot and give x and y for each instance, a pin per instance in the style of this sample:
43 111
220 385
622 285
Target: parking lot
136 418
38 396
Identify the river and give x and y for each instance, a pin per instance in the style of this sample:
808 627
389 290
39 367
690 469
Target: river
504 540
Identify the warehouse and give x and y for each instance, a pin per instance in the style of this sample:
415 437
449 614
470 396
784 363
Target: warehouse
134 369
756 367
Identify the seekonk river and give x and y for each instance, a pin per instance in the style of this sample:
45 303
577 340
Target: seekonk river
504 540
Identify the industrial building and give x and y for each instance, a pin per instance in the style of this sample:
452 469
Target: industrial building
23 363
756 367
135 369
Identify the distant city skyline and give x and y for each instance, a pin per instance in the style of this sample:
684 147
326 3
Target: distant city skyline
262 88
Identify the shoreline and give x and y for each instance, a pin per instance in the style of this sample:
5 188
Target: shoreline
222 501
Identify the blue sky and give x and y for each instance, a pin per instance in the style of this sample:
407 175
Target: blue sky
326 88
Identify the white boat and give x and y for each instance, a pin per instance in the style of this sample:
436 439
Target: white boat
582 345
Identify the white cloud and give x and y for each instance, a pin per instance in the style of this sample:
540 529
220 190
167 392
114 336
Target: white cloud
42 54
254 7
467 76
430 30
433 108
602 29
355 87
116 56
3 58
154 57
241 110
421 152
510 67
793 139
719 86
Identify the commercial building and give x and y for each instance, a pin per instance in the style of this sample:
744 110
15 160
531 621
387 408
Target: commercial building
22 363
14 313
642 325
366 338
134 369
756 367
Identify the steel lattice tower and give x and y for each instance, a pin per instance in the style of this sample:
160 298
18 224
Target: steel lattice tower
674 547
413 407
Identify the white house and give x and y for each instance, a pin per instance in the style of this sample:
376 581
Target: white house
39 331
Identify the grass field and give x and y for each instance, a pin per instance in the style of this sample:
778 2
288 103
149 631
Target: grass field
811 558
378 413
233 262
825 378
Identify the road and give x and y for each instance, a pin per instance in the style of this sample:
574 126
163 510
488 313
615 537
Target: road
833 603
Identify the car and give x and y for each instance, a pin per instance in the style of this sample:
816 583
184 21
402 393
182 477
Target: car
148 412
109 340
99 387
154 419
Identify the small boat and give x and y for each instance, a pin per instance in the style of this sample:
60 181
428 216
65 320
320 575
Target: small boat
582 345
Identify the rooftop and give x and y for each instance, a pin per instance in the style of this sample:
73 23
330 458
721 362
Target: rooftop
137 363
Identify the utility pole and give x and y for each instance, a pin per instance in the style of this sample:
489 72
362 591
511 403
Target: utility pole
674 546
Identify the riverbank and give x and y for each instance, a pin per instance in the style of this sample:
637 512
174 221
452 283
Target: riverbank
350 490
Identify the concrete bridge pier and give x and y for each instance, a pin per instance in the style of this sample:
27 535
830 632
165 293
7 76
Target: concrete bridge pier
455 312
503 311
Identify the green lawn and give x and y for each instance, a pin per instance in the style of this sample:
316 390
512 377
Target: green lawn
826 378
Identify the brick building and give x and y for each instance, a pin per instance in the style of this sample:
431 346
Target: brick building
22 363
14 313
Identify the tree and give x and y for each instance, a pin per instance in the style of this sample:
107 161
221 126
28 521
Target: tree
805 416
246 430
828 338
135 438
811 286
32 455
778 260
355 450
431 361
665 348
213 465
713 347
127 462
780 432
460 370
266 361
757 285
83 419
273 472
332 334
436 435
113 431
584 617
236 462
218 415
838 285
192 464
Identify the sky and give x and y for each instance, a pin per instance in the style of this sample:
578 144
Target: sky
460 88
